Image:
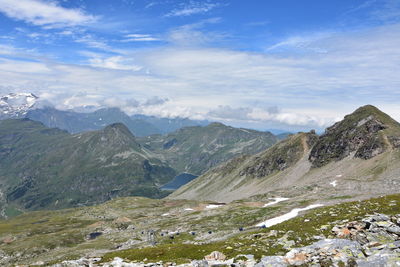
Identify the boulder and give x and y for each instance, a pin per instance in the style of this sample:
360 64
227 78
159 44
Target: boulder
215 256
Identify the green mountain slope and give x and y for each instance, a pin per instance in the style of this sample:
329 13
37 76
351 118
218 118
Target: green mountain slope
196 149
49 168
362 151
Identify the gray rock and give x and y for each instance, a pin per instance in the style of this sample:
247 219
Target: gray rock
376 218
380 259
199 263
272 261
393 229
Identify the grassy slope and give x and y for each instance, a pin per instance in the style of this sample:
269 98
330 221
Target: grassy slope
49 168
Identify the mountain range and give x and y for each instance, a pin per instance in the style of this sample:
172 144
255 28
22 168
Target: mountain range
356 156
49 168
197 149
27 105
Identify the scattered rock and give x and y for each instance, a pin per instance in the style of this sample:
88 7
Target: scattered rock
8 240
275 261
215 256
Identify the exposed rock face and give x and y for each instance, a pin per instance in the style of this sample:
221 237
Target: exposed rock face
338 143
361 133
280 156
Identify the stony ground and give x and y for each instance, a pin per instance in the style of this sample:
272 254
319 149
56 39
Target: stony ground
149 231
373 241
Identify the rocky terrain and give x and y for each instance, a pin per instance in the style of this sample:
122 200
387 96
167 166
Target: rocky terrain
357 156
145 232
373 241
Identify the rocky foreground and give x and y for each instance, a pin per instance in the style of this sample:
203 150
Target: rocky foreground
372 241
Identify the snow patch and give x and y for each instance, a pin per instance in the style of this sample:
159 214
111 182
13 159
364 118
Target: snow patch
334 183
276 200
293 213
165 214
188 209
213 206
339 175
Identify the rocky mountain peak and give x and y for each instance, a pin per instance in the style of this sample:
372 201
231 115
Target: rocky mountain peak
117 127
16 105
366 132
118 133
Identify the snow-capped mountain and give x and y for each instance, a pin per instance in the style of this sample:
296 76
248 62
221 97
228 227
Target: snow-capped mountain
16 105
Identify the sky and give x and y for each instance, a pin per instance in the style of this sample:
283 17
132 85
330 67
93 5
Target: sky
263 64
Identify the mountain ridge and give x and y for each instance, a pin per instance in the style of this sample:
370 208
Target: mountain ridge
359 151
50 168
198 148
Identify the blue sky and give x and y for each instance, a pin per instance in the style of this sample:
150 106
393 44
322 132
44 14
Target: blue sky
290 64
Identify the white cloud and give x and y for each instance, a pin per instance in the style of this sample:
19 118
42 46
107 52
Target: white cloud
192 8
113 62
271 114
226 112
140 38
47 14
93 42
193 35
310 88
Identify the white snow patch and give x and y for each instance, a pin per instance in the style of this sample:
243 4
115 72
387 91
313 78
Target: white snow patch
276 200
188 209
293 213
334 183
339 175
165 214
213 206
